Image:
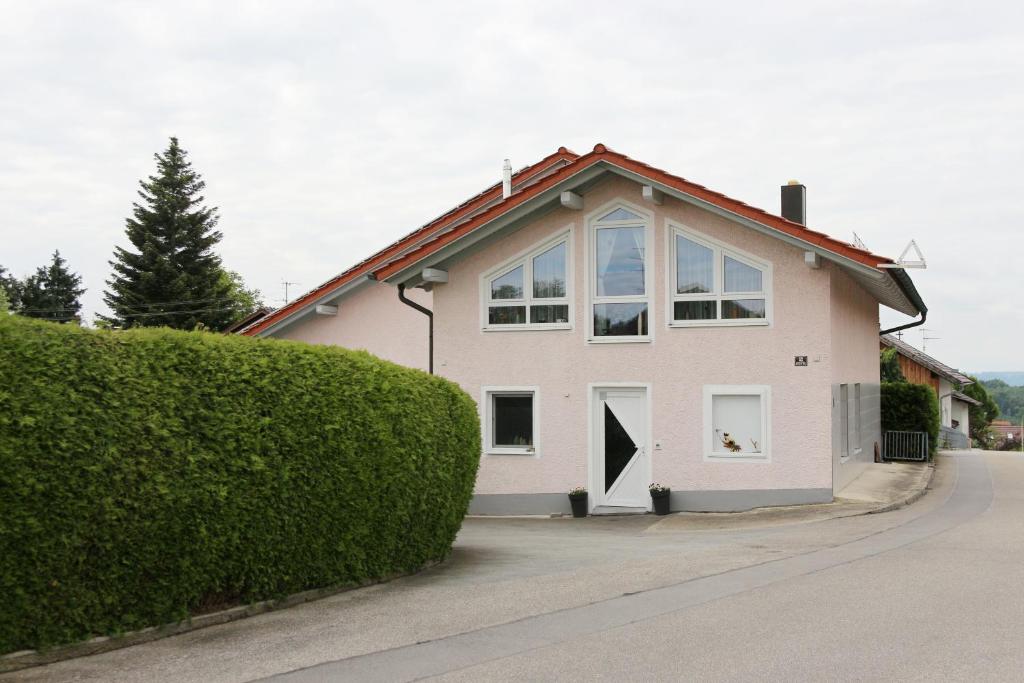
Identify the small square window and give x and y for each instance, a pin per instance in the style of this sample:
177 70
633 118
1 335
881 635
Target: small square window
510 422
736 422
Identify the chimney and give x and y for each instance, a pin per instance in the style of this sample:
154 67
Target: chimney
506 180
794 202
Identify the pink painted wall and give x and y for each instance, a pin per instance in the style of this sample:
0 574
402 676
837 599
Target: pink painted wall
371 318
854 323
677 363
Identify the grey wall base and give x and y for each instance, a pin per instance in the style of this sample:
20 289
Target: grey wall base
681 501
747 499
519 504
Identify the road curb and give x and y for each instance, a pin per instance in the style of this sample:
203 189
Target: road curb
913 497
25 659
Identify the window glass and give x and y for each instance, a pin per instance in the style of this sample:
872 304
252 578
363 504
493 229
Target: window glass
509 285
549 314
695 267
620 261
506 315
739 309
695 310
549 273
620 214
618 320
736 424
512 416
739 277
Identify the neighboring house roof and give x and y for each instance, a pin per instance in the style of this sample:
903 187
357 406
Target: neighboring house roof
248 320
960 396
541 183
924 360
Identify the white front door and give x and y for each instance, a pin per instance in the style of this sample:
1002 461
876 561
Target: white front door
619 461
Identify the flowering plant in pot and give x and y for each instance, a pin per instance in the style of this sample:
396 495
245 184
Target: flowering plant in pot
660 496
578 501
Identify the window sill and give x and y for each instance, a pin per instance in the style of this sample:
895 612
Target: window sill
527 328
721 323
726 457
619 340
512 451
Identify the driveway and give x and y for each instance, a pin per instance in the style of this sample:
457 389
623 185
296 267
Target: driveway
930 590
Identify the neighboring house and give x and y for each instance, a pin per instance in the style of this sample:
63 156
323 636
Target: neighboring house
1005 431
920 368
248 320
620 325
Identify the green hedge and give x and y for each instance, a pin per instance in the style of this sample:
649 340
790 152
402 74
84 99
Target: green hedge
150 473
912 408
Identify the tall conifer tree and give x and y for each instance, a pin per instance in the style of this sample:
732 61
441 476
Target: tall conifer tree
172 277
52 293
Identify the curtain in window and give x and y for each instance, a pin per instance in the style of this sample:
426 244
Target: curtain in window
549 273
620 262
695 267
739 277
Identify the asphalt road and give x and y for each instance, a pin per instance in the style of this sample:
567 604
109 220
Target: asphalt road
933 591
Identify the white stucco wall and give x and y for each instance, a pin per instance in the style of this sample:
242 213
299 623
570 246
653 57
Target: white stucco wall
946 402
371 318
961 413
677 363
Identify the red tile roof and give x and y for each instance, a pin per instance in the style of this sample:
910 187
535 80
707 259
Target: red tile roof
527 184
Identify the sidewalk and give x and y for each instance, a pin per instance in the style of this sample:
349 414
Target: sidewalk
881 488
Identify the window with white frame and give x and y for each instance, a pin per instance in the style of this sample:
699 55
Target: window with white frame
736 422
510 420
713 284
532 291
619 276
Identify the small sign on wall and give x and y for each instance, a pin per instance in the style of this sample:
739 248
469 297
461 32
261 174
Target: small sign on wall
800 361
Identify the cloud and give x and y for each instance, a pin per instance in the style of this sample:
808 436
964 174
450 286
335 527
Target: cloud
325 132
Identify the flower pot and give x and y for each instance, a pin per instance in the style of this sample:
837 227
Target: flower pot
579 505
661 501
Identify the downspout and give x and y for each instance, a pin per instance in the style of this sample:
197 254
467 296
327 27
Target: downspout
430 316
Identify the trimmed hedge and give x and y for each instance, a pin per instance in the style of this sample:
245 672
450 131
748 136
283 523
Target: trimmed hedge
912 408
148 474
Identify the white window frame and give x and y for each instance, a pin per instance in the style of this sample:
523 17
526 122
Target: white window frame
718 294
647 222
487 420
765 393
525 259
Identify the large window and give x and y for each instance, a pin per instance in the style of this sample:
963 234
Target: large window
715 285
510 420
531 291
736 423
619 276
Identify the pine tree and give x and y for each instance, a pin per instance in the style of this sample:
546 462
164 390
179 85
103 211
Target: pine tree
11 288
52 293
172 277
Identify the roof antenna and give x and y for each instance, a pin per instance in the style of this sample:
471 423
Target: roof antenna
902 261
506 180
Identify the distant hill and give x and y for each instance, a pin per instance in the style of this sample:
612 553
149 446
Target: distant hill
1014 379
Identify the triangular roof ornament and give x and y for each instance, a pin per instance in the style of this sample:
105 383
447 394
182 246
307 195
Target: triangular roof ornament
858 242
902 261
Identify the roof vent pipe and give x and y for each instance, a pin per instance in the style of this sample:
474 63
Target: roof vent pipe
506 180
794 202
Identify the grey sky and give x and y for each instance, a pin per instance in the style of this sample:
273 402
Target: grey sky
327 130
